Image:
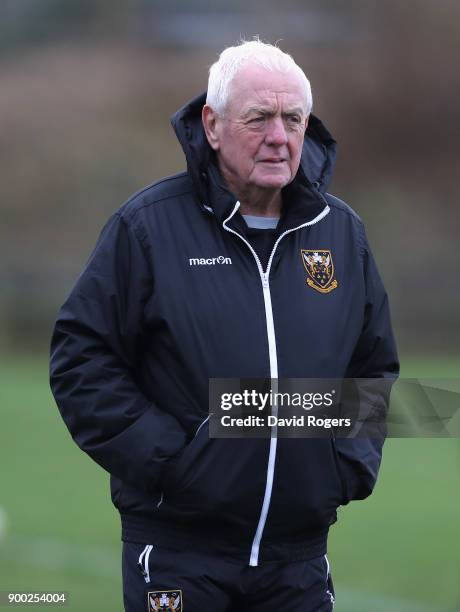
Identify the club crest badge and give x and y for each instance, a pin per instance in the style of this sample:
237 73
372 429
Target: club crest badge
320 270
165 601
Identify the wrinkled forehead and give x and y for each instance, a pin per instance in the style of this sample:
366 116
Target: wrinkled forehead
255 86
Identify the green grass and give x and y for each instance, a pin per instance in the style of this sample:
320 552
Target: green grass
402 542
62 530
398 551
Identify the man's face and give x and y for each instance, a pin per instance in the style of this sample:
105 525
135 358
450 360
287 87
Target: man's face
259 138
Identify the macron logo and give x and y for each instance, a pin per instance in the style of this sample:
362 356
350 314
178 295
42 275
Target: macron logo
210 261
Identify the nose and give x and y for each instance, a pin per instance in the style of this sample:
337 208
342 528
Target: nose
276 132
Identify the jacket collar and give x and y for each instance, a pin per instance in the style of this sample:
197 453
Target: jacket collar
302 199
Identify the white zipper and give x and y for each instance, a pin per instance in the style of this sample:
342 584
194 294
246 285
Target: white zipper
273 359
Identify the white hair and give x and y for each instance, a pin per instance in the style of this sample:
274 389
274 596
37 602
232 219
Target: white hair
232 59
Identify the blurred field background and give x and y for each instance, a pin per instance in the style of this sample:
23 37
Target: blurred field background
86 91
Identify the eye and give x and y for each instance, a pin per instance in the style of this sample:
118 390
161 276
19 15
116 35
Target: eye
257 120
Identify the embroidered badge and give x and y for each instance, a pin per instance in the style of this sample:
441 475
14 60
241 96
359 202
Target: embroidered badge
320 270
165 601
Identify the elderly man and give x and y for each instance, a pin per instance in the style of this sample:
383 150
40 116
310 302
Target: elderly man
243 266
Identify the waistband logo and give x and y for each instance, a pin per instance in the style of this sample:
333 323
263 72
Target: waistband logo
165 600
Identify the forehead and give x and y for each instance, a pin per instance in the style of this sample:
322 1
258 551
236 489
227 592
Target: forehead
255 86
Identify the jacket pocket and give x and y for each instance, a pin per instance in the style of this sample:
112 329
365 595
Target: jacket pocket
358 461
307 489
116 490
216 479
179 470
344 488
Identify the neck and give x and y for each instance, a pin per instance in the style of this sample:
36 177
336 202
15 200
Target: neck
256 201
266 205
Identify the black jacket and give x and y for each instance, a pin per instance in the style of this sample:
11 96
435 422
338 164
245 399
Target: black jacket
173 296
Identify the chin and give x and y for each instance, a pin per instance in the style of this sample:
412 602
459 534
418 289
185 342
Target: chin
275 183
273 180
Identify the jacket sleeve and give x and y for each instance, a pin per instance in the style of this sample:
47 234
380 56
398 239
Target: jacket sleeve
94 349
375 359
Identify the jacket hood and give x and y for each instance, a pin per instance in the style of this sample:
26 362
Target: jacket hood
318 154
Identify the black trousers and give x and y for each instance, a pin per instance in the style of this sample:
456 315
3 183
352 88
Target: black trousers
159 579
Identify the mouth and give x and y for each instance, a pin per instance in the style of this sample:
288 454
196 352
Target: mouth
273 160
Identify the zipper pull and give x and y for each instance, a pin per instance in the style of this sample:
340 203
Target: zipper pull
265 281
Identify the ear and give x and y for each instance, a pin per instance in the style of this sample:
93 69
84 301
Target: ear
210 120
